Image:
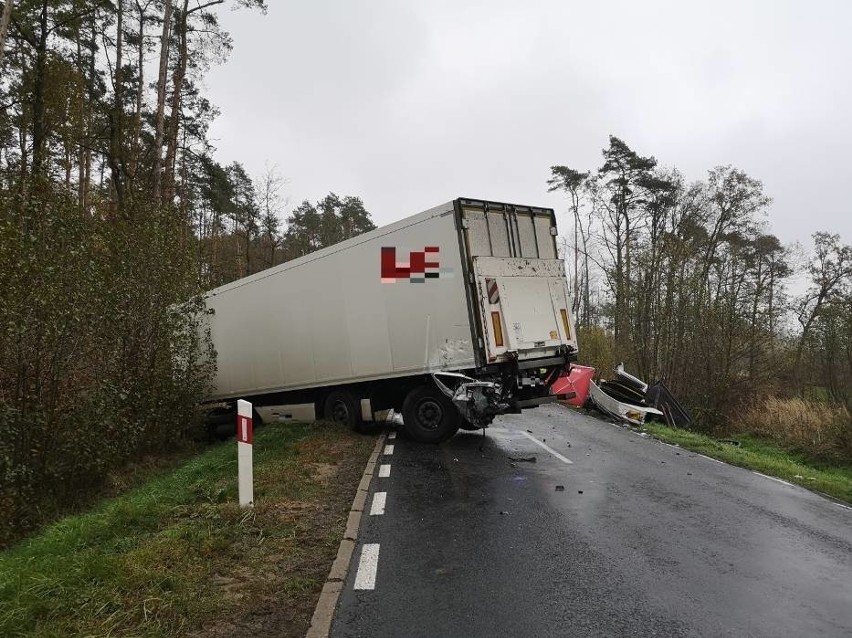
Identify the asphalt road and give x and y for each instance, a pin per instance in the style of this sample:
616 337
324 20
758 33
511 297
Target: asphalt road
622 536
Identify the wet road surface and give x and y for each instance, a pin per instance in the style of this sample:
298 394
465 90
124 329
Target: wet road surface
607 533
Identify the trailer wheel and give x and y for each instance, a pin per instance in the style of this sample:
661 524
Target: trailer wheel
429 416
340 407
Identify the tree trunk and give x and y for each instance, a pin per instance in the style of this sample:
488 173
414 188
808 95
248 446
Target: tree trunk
4 26
117 116
174 117
39 132
161 100
133 168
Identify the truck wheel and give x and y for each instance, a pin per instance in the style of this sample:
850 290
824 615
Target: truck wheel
429 416
340 407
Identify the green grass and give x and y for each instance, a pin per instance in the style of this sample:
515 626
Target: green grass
178 554
766 457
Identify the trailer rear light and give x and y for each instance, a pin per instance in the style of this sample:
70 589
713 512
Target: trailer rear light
498 329
566 324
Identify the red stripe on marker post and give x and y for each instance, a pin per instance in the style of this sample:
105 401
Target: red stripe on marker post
245 463
245 431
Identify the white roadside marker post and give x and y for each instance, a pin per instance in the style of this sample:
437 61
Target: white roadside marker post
245 470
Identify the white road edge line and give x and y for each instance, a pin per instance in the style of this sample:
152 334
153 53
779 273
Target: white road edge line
710 458
378 506
384 471
548 448
391 435
388 450
365 578
772 478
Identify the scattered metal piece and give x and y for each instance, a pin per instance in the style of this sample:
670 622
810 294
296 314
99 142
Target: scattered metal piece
560 488
523 459
579 491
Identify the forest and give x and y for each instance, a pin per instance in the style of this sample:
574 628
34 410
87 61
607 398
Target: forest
115 216
684 282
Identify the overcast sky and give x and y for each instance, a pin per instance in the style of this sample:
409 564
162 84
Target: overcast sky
410 104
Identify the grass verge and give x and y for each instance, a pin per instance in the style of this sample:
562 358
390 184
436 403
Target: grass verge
765 457
177 556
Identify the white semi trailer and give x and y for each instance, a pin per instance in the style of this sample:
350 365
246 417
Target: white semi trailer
450 317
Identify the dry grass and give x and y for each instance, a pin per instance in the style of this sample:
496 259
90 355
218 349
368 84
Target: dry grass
819 429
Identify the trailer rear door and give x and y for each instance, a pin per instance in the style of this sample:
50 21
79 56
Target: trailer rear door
518 280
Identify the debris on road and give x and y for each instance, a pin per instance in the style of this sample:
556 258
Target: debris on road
523 459
560 488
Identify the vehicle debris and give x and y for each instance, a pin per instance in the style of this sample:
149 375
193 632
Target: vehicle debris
523 459
574 382
560 488
629 399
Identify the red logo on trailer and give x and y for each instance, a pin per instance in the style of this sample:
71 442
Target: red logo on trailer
422 265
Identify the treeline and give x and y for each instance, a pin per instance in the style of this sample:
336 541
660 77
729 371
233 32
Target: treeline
113 218
683 282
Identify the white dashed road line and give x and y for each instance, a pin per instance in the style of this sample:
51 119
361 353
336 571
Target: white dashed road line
384 471
365 578
378 506
547 447
388 450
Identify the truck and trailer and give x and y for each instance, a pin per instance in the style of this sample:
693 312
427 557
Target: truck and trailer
449 317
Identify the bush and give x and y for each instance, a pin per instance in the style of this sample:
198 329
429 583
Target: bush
98 361
597 349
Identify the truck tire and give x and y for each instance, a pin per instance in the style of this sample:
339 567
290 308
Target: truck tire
429 416
340 407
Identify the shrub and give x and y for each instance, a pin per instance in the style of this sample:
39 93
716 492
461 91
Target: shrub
99 362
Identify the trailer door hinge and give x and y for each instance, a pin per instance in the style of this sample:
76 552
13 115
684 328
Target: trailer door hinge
465 223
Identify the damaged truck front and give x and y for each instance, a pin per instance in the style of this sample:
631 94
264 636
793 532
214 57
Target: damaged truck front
451 317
